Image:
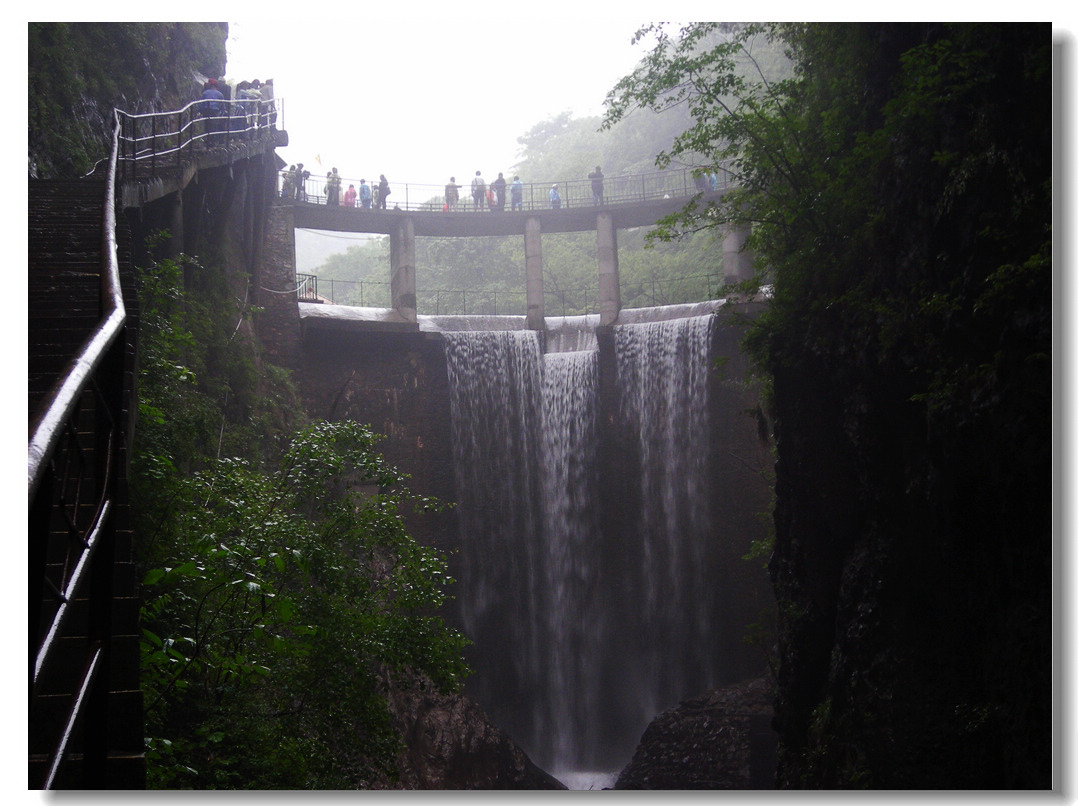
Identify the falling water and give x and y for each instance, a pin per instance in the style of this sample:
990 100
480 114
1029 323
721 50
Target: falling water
571 569
495 404
582 637
663 402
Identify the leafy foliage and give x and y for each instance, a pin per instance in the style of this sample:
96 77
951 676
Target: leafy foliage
273 628
282 593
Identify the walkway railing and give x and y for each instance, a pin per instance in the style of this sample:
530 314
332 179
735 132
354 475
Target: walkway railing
72 465
498 301
573 193
158 141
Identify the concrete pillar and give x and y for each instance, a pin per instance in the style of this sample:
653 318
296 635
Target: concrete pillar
736 261
402 269
609 278
278 325
533 269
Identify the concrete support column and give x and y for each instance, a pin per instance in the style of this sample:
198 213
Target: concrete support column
402 269
278 325
533 269
609 278
736 261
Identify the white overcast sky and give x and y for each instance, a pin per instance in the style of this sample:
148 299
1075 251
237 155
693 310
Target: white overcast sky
421 96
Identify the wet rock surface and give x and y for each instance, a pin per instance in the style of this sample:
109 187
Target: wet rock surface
451 744
719 740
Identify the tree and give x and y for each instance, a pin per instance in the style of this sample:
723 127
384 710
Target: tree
290 602
898 183
282 594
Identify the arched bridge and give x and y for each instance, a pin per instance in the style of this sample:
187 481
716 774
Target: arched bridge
636 200
421 211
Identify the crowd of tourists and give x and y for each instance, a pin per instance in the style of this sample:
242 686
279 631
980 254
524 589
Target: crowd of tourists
255 107
485 197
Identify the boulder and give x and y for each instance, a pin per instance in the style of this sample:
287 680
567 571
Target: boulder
452 744
720 740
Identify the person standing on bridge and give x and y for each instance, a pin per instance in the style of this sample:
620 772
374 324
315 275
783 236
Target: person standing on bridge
350 196
383 191
288 184
301 182
479 191
555 198
499 190
364 194
333 189
596 178
516 191
451 194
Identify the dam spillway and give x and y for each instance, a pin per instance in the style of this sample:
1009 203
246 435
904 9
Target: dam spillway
606 487
584 633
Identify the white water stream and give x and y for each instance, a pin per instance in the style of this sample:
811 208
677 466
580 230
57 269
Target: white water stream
582 637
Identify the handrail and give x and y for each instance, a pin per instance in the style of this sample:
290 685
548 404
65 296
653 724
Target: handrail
575 193
159 136
636 294
61 400
90 543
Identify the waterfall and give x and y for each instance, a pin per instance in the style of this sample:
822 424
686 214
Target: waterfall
570 525
663 407
495 406
583 586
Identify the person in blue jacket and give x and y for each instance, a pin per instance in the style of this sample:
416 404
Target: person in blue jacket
555 198
516 194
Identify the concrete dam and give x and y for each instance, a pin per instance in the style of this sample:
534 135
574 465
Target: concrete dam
607 482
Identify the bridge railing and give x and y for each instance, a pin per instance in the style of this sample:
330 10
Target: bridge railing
574 193
511 301
161 140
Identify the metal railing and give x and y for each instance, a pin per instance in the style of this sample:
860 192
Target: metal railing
508 301
573 193
162 140
71 471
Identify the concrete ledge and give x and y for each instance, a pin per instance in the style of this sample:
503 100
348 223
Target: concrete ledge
323 317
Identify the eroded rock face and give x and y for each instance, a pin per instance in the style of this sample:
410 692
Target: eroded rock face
719 740
451 744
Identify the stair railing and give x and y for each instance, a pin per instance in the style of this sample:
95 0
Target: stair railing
66 473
